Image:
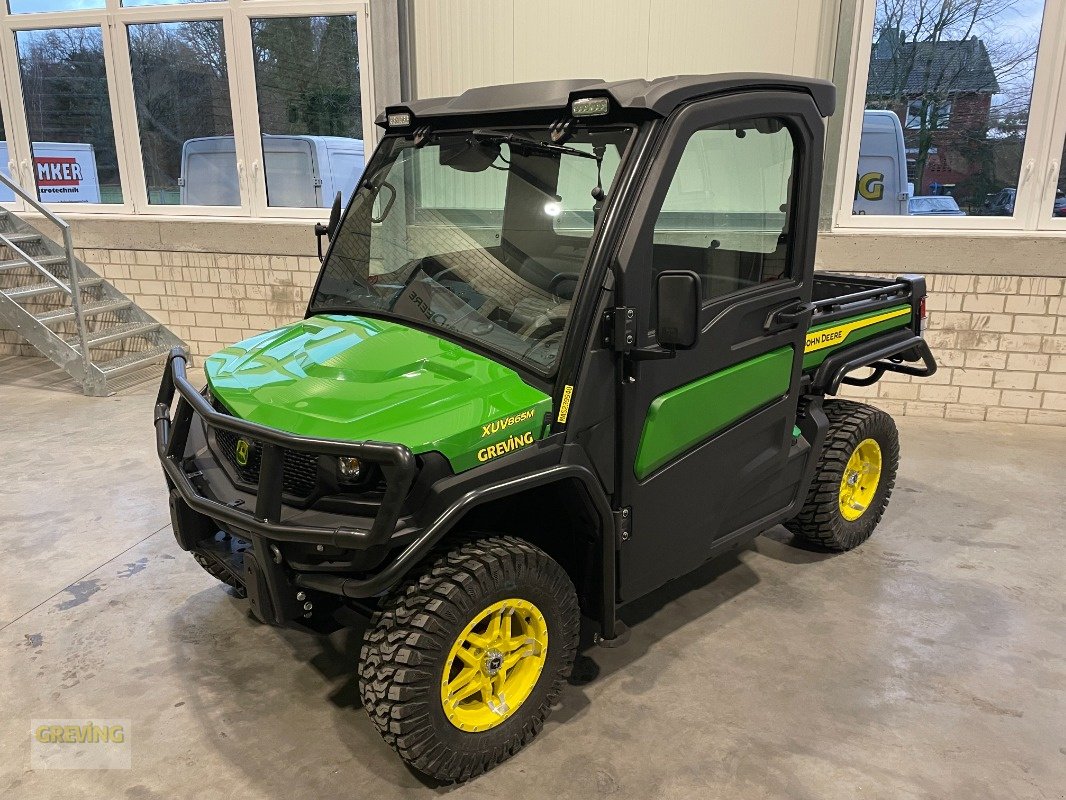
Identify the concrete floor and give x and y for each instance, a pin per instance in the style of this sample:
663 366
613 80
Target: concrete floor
929 663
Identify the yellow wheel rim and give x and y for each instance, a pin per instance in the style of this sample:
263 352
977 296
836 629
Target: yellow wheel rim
494 665
861 477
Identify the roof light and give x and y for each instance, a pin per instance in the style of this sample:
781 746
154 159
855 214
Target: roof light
400 119
590 107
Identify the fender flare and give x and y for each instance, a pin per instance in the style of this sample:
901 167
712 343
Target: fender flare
375 584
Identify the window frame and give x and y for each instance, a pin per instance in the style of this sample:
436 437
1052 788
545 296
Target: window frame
17 124
113 20
1032 179
263 9
1041 215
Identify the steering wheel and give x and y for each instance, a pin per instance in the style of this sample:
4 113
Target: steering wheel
439 276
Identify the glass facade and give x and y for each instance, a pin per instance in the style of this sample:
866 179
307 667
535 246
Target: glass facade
133 105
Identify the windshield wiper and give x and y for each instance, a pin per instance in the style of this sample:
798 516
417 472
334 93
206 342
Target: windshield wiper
522 143
516 142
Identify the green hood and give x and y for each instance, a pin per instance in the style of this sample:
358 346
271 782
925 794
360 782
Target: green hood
355 378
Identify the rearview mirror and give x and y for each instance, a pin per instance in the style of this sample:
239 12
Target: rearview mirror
678 300
468 155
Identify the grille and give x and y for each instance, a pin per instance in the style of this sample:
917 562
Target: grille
301 469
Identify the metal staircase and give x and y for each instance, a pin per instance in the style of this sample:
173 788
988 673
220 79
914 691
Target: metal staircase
69 313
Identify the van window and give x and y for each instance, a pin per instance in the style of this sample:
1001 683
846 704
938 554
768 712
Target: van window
726 213
346 167
290 170
208 176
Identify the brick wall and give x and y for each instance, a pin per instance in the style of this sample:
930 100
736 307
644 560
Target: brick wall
1000 342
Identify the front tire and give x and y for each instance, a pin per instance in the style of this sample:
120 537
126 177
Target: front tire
224 562
854 477
462 664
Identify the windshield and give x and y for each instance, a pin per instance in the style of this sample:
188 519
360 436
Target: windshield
934 204
480 234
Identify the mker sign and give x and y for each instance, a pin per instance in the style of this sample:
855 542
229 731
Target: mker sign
65 172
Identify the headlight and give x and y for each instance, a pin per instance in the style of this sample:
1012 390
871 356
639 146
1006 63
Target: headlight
349 467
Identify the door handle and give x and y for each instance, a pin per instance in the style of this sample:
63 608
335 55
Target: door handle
786 317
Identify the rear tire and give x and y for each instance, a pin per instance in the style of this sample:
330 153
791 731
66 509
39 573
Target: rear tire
410 659
844 503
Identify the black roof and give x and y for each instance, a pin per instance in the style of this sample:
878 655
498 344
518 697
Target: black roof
900 68
658 97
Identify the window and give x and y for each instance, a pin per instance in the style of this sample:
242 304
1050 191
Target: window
181 92
959 75
486 264
1058 204
68 115
726 213
207 107
925 114
6 195
310 108
129 3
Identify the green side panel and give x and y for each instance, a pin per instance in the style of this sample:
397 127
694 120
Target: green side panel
686 416
356 378
816 357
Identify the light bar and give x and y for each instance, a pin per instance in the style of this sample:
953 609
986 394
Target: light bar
590 107
400 119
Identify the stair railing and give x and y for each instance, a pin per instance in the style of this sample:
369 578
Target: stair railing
74 290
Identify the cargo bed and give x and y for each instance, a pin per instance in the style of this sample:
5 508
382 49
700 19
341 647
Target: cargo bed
858 322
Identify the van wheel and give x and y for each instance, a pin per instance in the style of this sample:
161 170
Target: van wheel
462 663
855 475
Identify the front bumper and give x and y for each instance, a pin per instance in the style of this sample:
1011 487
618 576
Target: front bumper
396 461
263 520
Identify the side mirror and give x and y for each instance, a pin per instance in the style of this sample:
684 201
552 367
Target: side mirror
331 228
334 216
677 304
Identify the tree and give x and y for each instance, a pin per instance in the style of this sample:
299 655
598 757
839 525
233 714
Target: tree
307 76
65 88
928 52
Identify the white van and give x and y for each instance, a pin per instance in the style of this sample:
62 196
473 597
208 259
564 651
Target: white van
65 173
301 171
881 186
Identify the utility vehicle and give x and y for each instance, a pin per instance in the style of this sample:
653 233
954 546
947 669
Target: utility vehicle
566 344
